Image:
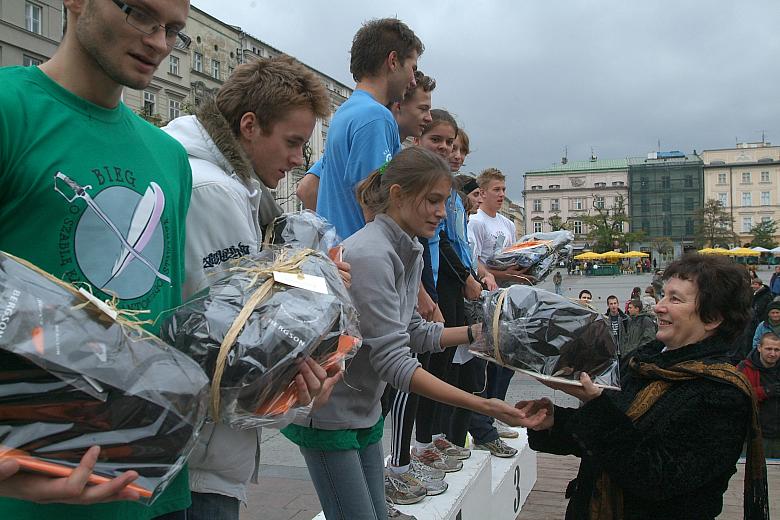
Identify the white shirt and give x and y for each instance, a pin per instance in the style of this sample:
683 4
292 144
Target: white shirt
490 234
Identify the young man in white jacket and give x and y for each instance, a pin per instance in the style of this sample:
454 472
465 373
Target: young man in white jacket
240 145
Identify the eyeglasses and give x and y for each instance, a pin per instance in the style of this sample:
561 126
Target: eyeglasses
145 23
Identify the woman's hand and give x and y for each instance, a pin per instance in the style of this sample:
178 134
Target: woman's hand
587 392
490 282
530 408
73 489
472 289
315 383
530 418
344 270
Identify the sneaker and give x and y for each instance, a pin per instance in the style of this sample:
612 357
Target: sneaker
498 448
505 431
400 492
432 487
450 449
395 514
435 459
429 472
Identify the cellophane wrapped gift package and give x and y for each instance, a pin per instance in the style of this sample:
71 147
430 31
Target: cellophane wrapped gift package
547 336
304 230
538 253
74 375
248 328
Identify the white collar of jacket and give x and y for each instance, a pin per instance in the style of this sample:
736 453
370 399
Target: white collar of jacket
407 247
228 148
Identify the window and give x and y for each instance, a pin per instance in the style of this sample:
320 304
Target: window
689 226
666 204
32 17
554 186
645 204
149 99
537 204
576 226
598 202
723 198
747 224
600 184
667 226
230 71
765 198
536 187
173 65
555 205
538 227
688 203
197 62
646 226
174 108
666 182
721 178
746 178
643 183
576 203
29 61
764 176
618 183
747 199
215 69
764 220
688 183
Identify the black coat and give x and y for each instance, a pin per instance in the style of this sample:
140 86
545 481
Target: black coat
675 462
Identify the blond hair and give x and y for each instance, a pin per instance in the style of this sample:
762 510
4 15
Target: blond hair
491 174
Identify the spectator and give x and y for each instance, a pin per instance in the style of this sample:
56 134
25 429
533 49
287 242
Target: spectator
770 324
636 292
585 297
640 327
657 284
774 282
763 370
649 299
617 320
557 281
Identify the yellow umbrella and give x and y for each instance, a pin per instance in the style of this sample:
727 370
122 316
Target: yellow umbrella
611 255
635 254
743 251
588 255
720 251
707 251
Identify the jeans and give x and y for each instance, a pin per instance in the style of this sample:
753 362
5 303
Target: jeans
175 515
481 426
213 506
349 483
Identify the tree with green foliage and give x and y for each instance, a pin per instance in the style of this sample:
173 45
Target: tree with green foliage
606 226
764 234
715 226
556 222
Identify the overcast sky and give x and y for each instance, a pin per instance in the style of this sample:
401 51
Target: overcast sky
528 78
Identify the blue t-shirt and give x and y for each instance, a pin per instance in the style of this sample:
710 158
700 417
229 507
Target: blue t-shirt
316 168
363 135
456 225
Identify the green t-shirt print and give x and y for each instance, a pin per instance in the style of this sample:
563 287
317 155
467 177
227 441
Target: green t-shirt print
97 196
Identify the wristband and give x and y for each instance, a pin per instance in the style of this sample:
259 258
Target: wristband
470 334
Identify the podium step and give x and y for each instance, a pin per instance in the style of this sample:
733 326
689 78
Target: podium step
487 488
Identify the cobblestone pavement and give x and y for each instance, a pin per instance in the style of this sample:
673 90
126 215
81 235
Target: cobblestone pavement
285 491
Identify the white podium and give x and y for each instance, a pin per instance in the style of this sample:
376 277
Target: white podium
487 488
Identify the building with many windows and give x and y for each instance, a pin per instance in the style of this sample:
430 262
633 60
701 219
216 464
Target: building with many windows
746 181
570 190
29 31
665 191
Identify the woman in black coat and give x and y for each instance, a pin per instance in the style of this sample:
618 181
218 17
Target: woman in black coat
668 443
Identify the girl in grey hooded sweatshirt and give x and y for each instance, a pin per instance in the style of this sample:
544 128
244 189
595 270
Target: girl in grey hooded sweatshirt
341 441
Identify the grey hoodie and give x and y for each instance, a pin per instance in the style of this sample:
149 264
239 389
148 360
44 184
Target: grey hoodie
386 265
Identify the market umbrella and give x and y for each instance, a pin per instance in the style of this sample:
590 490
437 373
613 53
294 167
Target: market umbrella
612 255
775 251
720 251
588 255
743 251
760 249
707 251
635 254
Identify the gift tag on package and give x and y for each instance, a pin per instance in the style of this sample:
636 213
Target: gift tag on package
304 281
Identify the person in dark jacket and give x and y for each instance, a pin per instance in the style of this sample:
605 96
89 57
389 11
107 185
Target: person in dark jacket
640 327
762 368
774 282
759 322
617 321
762 297
666 445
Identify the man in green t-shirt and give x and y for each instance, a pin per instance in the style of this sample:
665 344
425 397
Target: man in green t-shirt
92 193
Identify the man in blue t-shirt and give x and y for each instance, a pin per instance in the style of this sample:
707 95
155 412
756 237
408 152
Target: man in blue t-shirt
363 134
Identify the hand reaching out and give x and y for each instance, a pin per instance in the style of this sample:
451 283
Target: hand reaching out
531 408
